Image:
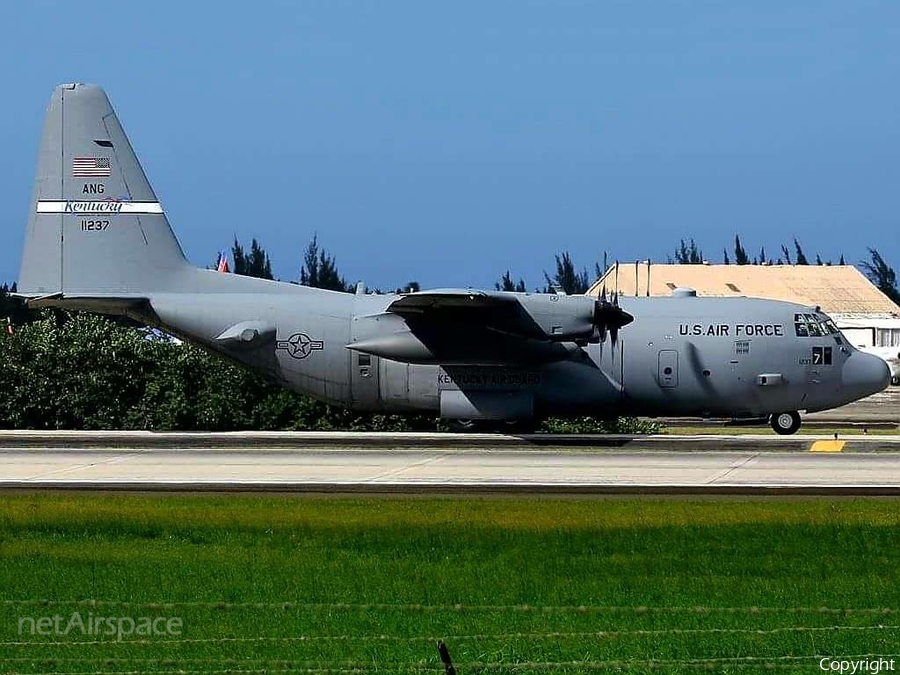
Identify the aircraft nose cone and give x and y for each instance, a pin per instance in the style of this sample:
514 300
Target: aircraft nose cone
865 374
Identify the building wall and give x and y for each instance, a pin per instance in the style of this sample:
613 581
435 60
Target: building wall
874 333
859 337
887 337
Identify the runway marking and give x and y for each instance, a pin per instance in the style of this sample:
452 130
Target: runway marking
827 446
392 473
114 459
737 464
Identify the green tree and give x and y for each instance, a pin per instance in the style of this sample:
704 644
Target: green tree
253 264
740 253
506 283
761 259
801 258
566 278
787 255
12 310
688 254
881 274
319 269
83 373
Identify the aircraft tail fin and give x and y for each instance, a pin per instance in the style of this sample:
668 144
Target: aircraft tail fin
95 226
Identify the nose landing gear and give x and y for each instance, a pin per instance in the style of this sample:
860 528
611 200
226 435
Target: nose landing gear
785 423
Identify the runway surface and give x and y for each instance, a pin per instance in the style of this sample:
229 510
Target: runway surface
418 463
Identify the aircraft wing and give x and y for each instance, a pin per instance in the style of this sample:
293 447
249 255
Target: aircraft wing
466 326
488 310
444 299
539 316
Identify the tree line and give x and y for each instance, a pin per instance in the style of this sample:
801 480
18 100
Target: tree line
874 267
319 268
689 253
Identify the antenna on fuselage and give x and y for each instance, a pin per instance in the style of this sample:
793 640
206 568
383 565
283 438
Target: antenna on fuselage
648 277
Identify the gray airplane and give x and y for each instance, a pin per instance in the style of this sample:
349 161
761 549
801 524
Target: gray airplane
99 240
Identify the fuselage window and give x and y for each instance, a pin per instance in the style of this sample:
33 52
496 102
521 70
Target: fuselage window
809 325
812 325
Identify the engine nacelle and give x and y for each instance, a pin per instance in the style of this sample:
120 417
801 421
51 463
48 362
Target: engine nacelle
560 317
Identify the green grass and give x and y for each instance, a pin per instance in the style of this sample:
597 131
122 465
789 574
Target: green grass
340 585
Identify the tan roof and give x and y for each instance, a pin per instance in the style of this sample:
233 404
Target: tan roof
838 289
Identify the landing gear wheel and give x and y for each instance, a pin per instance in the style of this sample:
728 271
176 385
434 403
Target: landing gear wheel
785 423
895 380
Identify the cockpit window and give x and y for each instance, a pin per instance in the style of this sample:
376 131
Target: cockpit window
815 325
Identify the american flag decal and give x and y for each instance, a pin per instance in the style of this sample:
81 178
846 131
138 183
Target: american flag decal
91 167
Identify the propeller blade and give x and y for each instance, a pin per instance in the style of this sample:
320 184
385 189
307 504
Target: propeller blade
609 317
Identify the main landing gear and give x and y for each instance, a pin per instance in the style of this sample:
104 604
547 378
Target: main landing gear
785 423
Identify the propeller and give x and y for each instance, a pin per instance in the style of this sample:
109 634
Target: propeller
609 317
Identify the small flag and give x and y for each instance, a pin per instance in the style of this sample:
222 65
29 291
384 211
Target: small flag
222 265
91 167
9 326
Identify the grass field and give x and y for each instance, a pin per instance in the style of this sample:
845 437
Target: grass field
283 584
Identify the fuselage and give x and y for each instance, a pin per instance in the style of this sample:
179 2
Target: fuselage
690 356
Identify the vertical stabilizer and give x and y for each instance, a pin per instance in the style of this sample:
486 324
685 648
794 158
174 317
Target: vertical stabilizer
95 226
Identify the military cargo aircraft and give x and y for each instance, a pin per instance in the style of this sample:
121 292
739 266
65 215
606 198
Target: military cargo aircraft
98 239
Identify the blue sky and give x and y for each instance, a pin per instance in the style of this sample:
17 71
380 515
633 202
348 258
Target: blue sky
447 142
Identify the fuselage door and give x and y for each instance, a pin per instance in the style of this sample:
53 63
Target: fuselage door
668 368
364 380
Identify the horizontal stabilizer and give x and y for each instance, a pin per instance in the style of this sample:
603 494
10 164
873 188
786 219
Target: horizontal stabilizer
87 302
